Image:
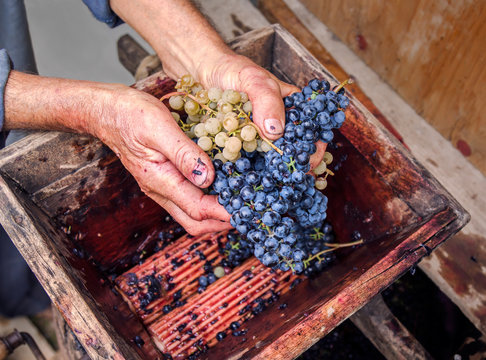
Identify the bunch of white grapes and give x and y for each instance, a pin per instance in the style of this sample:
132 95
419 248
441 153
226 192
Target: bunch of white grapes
219 119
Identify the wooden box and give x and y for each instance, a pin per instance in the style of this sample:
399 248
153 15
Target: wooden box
79 219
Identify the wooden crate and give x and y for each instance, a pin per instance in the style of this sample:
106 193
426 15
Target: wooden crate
79 219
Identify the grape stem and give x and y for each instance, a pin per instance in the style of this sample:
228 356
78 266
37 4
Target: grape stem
341 245
265 139
333 246
343 84
175 93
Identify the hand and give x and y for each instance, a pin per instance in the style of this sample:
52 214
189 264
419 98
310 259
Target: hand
167 165
231 71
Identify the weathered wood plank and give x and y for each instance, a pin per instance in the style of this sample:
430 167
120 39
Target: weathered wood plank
34 243
387 333
457 266
430 52
69 347
53 161
130 53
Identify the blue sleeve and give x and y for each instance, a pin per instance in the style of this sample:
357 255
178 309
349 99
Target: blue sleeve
102 11
4 72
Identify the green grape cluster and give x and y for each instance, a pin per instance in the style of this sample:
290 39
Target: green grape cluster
219 119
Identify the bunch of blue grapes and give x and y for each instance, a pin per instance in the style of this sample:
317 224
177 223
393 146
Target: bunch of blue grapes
270 194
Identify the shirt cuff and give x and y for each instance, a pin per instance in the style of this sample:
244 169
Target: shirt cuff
101 10
4 72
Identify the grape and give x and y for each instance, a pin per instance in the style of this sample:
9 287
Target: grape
220 156
247 107
176 116
196 88
194 118
233 144
205 143
230 122
231 96
327 158
190 133
202 96
321 183
225 107
213 126
231 156
248 133
243 97
243 166
250 146
176 102
200 130
220 139
187 80
265 147
215 94
191 107
321 168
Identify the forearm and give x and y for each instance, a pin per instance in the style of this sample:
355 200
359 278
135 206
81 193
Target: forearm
181 36
36 102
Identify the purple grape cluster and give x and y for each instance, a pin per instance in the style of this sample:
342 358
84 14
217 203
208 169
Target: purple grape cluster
272 198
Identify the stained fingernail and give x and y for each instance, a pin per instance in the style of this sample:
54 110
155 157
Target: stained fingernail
199 173
273 126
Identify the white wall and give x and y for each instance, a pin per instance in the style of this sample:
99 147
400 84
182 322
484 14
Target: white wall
69 42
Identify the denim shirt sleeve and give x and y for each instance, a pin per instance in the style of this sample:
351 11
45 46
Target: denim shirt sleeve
4 72
102 11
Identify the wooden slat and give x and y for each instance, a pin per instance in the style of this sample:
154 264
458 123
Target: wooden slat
93 328
430 52
130 53
387 333
455 267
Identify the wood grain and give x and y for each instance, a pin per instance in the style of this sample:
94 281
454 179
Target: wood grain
430 52
34 242
387 333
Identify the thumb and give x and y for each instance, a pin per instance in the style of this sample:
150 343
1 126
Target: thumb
167 137
266 99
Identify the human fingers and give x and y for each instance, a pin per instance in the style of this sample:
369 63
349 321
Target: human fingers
266 99
193 227
160 132
317 157
164 179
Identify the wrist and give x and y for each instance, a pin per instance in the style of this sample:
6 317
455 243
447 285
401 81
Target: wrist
35 102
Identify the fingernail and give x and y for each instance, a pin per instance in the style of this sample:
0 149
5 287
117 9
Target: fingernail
273 126
199 173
